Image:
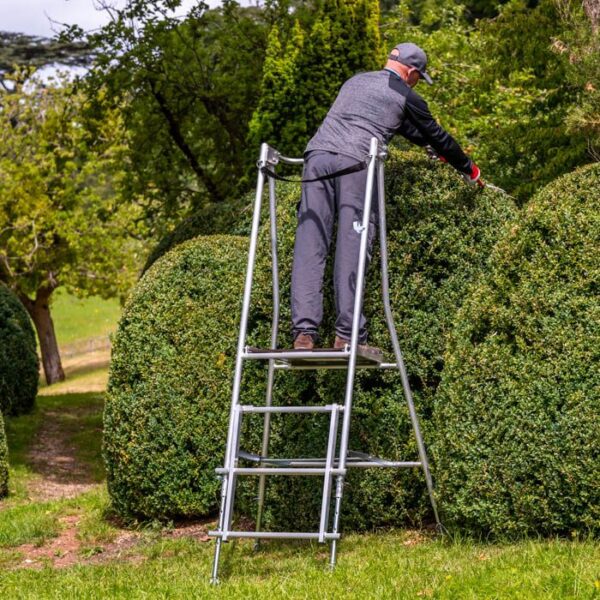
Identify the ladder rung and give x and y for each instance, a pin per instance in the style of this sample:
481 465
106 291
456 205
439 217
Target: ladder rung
293 535
358 460
367 464
279 471
259 354
248 408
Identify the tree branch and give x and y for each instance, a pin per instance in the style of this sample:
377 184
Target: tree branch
179 140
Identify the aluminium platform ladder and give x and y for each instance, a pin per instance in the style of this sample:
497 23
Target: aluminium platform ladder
351 357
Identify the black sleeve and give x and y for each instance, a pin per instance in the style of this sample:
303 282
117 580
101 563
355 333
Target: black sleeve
411 133
418 115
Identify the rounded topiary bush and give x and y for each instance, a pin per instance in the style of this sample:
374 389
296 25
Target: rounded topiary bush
19 365
170 380
518 448
440 233
3 460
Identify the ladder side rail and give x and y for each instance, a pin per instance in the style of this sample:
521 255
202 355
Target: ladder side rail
231 468
394 337
329 465
237 379
274 336
235 396
358 302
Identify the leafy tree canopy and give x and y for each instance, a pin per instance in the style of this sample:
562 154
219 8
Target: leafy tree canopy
61 219
501 88
187 87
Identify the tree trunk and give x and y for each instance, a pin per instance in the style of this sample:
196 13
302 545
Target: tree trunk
39 310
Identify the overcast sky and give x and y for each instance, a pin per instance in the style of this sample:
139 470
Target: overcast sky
34 16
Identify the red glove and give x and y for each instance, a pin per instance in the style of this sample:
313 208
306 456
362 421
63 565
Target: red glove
474 177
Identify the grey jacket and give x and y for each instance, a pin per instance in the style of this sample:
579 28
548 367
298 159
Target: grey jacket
381 104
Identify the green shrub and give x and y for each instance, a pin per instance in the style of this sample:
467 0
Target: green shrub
517 413
167 413
170 380
19 365
3 460
440 233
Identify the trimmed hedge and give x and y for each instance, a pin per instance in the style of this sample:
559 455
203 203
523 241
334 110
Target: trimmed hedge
3 460
170 381
440 233
19 364
519 445
170 378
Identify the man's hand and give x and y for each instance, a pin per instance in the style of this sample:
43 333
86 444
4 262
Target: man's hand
474 177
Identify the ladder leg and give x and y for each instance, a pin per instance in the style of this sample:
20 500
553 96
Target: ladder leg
331 443
398 354
215 569
231 477
358 302
339 488
233 432
271 374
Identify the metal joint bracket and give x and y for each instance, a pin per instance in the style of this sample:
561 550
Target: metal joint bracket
272 158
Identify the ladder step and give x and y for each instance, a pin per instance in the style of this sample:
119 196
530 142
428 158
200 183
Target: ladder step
248 408
279 471
274 535
319 358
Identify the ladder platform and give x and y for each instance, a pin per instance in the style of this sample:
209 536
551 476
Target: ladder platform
274 535
318 358
355 459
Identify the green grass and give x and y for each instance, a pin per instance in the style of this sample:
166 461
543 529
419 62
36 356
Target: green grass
395 564
78 319
369 567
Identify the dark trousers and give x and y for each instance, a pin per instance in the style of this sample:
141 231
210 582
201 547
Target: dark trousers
320 203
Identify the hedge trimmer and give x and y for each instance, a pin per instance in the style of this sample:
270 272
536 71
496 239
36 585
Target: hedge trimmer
472 178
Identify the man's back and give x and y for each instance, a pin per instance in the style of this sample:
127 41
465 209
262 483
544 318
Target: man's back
368 104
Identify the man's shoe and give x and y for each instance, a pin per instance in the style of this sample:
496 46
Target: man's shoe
341 343
304 341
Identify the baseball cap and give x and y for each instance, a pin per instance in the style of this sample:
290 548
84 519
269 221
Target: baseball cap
412 56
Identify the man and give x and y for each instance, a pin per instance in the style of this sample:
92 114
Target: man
374 104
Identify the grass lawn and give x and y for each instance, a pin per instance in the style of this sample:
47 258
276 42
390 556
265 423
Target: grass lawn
370 567
73 548
78 319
